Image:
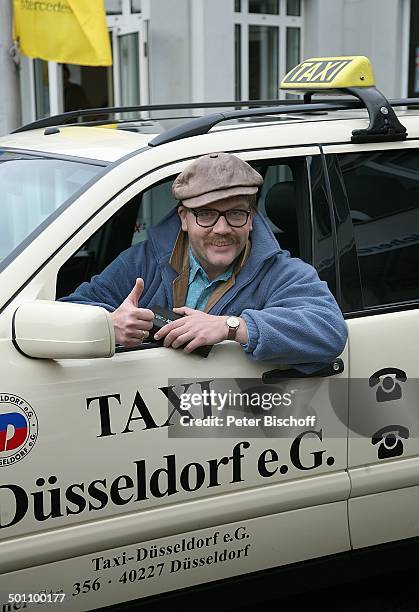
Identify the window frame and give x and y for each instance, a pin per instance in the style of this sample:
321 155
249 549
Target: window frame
245 19
304 220
352 255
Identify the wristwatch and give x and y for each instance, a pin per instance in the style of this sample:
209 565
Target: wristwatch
233 325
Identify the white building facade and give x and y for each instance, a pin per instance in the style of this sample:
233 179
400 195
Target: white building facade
177 51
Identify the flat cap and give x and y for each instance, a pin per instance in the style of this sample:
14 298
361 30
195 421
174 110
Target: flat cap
215 177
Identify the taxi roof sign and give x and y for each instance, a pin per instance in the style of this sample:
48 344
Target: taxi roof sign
352 75
321 73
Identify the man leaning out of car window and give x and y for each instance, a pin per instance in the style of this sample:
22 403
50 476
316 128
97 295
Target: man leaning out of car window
215 261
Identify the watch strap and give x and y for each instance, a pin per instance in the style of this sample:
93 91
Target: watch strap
232 331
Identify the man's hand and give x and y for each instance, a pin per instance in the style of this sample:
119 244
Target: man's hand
196 329
131 323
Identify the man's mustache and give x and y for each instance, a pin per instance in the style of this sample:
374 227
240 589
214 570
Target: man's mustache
212 242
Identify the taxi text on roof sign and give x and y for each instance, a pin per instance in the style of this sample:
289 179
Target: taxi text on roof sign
330 73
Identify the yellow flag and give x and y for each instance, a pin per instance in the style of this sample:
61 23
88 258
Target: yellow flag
65 31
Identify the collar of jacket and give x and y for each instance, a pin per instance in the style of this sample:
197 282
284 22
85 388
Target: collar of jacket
179 261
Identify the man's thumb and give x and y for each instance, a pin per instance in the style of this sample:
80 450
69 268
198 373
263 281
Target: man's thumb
134 296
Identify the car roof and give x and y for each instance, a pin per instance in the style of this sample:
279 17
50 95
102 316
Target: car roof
78 141
111 142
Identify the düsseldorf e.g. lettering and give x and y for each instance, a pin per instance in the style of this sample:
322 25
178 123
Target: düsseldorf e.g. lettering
50 500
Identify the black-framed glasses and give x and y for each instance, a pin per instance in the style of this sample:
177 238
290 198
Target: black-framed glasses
208 217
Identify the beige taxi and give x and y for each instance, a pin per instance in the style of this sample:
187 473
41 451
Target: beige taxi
105 497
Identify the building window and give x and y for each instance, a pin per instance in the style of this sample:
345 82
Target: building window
267 44
129 70
294 8
413 82
237 6
41 80
237 61
113 7
263 62
268 7
135 6
123 7
293 47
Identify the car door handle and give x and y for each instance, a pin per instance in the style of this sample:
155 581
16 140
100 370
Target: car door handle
334 367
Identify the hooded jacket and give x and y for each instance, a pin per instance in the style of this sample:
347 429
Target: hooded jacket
291 316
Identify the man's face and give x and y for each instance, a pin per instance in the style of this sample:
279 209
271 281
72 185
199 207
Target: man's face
218 246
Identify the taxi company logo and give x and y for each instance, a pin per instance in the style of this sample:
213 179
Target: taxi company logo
316 72
18 429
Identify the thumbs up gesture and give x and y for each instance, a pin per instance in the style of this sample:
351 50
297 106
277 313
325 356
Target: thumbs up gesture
131 323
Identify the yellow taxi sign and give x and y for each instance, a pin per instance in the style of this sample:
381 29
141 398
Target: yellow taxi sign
330 73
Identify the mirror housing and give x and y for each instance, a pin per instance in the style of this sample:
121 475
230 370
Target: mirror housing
60 330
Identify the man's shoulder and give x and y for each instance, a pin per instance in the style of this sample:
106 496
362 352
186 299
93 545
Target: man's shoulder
284 266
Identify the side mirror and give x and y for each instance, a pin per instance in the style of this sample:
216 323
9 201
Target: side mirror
61 330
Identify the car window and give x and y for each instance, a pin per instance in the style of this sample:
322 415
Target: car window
278 201
32 188
382 188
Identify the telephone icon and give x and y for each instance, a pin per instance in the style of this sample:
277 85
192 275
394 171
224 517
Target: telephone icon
388 381
389 440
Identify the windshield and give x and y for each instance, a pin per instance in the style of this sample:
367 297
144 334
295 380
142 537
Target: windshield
32 188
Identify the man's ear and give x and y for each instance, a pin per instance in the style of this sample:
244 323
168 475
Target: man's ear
182 212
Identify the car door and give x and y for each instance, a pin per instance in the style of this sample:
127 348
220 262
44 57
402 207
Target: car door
117 499
375 191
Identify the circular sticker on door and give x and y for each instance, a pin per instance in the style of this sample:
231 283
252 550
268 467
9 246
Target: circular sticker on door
18 429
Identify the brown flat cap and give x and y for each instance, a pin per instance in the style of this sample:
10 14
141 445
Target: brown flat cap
215 177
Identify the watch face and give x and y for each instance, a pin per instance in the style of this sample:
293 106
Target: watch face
233 322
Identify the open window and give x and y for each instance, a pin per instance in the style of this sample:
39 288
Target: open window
127 227
283 201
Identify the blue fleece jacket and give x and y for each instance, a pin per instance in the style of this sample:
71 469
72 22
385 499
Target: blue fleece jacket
291 316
